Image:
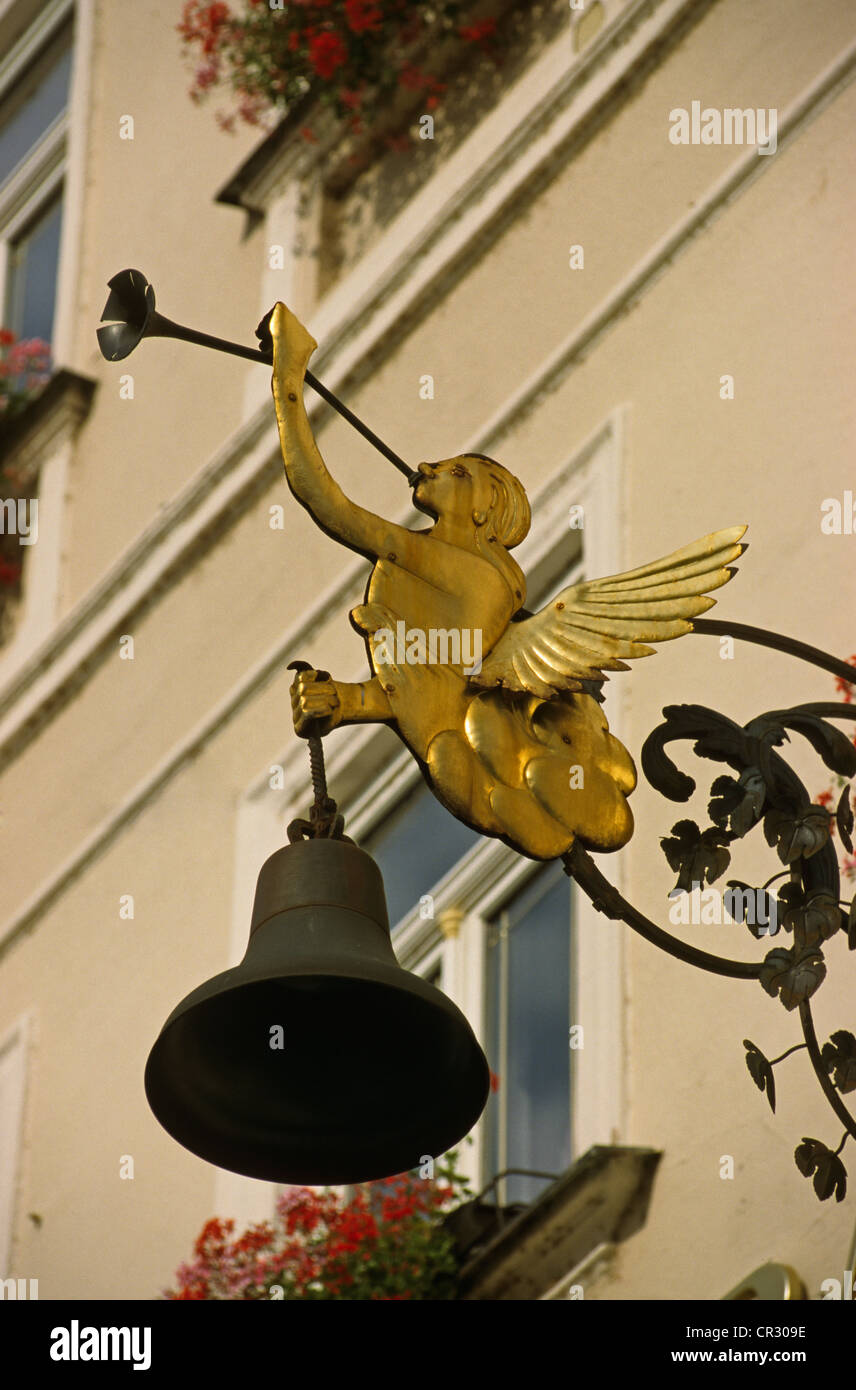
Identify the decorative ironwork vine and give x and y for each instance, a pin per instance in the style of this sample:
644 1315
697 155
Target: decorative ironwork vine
766 793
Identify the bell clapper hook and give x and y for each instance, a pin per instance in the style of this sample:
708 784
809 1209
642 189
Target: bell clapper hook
325 820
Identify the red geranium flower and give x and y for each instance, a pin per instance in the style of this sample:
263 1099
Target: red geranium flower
413 80
327 52
10 571
844 687
475 33
362 15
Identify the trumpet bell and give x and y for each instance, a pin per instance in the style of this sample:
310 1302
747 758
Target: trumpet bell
131 306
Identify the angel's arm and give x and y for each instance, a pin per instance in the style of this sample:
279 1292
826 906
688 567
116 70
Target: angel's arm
320 704
305 469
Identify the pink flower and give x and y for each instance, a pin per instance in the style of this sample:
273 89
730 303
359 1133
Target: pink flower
206 76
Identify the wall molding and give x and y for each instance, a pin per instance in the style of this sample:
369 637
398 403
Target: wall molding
15 1053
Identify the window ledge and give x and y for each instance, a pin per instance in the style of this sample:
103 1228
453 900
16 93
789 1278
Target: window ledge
601 1200
28 439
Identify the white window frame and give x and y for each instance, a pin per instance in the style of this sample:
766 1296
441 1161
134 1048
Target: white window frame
591 477
57 161
37 179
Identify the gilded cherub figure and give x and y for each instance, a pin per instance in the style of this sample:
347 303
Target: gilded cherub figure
514 744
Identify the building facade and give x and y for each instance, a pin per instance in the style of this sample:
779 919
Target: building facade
647 318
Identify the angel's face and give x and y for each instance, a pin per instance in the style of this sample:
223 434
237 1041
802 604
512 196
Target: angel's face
457 486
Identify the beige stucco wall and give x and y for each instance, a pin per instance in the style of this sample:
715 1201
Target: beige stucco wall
149 205
765 293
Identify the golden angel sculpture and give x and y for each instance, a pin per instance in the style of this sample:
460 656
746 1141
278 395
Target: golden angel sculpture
496 705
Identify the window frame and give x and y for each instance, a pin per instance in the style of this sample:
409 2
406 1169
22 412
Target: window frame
40 177
488 921
55 167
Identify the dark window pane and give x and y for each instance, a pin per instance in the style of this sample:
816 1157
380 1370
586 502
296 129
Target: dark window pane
34 103
528 983
414 847
33 263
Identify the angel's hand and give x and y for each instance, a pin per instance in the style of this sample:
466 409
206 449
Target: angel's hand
293 346
315 704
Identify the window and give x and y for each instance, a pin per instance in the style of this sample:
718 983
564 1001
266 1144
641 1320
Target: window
369 179
34 104
415 846
528 983
34 92
516 936
31 273
36 41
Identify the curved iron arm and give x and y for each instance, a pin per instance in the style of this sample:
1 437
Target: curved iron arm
766 789
763 637
844 1115
580 866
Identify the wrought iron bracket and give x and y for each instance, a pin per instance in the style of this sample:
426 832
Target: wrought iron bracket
767 792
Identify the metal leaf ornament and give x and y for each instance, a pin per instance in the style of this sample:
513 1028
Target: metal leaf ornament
738 803
839 1055
761 1072
830 1175
792 974
797 836
696 855
829 742
739 900
813 916
844 819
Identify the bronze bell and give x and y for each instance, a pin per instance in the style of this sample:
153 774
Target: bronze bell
318 1059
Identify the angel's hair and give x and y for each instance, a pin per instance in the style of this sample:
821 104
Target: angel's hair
508 517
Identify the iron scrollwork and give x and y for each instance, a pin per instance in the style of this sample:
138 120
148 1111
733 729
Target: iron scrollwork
763 790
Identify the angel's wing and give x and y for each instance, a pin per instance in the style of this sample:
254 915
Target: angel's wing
587 627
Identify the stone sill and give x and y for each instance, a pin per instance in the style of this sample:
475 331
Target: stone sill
28 439
601 1200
